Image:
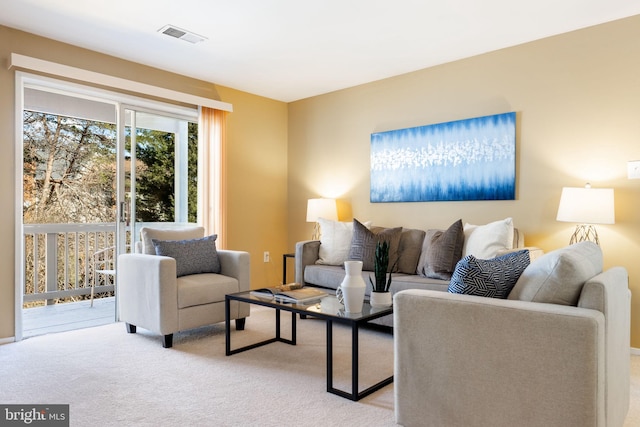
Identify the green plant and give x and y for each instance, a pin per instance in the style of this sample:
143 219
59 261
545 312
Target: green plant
380 267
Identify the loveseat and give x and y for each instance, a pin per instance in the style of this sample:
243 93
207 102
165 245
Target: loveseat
421 259
555 353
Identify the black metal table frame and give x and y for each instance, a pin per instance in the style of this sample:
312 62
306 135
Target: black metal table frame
355 394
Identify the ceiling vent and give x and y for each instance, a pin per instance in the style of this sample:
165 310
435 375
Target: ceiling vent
179 33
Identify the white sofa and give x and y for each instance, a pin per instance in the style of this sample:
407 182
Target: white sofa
463 360
153 297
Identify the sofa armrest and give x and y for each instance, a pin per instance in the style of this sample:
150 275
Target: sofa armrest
608 292
307 253
236 264
146 287
466 360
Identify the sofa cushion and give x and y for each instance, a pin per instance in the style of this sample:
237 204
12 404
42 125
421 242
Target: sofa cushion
558 276
488 277
363 244
441 250
409 249
331 276
205 288
192 256
147 234
335 241
484 241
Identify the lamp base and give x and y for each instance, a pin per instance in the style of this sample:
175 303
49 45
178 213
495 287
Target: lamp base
585 232
316 232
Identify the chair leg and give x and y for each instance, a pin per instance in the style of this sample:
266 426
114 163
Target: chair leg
131 328
240 324
167 341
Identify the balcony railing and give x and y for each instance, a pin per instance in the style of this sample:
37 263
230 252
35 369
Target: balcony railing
62 261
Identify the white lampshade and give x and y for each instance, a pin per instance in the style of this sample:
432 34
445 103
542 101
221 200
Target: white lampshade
586 205
322 208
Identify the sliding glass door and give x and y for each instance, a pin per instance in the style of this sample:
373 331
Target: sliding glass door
158 172
96 167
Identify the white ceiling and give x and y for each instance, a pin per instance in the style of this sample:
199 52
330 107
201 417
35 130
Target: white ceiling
293 49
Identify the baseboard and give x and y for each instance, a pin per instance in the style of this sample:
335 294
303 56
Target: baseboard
635 351
13 339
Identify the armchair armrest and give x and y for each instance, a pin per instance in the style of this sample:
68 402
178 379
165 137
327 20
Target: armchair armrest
307 253
147 286
236 264
466 360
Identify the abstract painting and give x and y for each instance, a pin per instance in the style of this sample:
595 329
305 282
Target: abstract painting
471 159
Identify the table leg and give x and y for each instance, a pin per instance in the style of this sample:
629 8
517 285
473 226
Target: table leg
293 329
354 359
354 395
277 337
330 356
227 326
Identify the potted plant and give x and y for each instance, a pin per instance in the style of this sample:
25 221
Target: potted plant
381 297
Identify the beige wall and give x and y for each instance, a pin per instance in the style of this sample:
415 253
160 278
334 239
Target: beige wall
257 157
577 98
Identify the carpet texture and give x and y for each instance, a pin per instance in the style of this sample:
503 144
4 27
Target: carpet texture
111 378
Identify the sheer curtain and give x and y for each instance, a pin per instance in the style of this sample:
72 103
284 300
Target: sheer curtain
212 193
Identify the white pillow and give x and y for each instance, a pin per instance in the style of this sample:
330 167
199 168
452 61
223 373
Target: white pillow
486 241
558 276
335 241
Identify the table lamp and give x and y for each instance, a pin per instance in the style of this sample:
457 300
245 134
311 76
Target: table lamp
586 206
321 208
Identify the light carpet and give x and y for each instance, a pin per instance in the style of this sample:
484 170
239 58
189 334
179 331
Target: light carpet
111 378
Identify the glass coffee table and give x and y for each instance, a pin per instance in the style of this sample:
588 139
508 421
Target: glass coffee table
327 309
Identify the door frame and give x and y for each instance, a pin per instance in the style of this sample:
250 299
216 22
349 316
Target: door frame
25 79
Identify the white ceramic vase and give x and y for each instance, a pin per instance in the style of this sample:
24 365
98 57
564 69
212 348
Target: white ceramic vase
351 290
380 299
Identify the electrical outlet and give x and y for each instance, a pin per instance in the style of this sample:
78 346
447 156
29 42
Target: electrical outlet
267 258
633 169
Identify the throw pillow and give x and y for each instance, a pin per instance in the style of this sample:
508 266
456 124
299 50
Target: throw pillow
192 256
409 249
488 277
147 234
484 241
558 276
441 251
363 244
335 241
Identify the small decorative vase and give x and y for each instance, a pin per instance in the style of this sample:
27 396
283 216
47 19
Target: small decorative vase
351 290
380 299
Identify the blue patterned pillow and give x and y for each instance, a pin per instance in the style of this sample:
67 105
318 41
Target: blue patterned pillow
192 256
488 277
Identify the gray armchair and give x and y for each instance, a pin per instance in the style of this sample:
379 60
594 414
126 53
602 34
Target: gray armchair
153 297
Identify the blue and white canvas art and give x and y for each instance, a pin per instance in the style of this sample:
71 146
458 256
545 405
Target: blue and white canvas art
472 159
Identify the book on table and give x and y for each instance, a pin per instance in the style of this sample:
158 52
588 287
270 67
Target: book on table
292 292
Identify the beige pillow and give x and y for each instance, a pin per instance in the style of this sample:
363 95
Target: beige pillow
557 277
335 241
148 234
486 241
